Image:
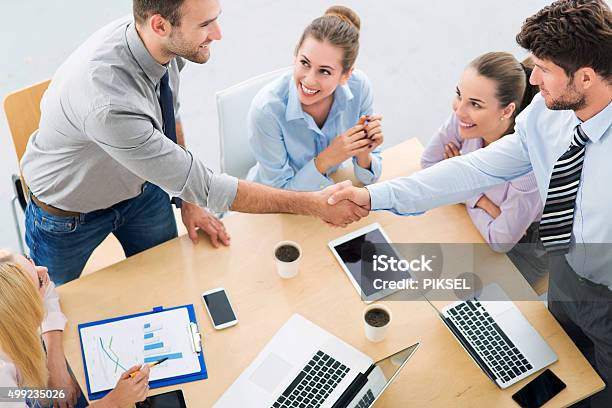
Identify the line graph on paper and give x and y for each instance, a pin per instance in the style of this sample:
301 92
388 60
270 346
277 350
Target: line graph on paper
108 350
112 348
109 363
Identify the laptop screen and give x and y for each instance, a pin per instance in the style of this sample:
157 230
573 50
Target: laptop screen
391 365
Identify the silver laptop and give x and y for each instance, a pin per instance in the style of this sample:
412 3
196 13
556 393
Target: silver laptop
305 366
498 337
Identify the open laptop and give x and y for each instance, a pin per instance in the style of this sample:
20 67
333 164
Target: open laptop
305 366
497 336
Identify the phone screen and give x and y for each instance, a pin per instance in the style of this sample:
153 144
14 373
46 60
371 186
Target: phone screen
539 390
172 399
219 307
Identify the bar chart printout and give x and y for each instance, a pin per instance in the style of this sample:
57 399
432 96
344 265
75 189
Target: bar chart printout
112 348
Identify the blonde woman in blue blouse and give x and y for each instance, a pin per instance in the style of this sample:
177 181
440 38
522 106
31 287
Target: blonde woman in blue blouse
304 125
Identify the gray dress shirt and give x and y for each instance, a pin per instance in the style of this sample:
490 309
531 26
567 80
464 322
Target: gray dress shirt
100 135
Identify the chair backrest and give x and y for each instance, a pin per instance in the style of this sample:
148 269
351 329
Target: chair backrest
22 109
232 107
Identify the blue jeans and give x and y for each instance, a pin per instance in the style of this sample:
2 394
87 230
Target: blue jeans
64 244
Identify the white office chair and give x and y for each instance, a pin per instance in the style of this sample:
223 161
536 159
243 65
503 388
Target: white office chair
232 107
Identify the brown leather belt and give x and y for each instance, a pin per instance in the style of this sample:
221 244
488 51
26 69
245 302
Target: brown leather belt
52 210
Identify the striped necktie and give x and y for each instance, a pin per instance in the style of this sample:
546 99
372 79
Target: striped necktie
558 217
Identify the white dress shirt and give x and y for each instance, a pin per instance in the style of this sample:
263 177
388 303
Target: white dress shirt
541 137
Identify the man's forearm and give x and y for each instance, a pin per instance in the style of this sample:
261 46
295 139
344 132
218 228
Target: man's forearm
257 198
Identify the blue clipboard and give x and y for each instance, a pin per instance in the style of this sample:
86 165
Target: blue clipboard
200 375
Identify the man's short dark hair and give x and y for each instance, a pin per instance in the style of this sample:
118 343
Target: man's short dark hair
572 34
168 9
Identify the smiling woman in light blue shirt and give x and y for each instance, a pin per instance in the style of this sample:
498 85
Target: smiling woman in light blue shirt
304 125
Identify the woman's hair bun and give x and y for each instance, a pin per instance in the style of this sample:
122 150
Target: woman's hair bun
346 14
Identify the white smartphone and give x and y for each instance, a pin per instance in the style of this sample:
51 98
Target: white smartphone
219 308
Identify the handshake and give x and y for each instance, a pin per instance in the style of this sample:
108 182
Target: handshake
342 204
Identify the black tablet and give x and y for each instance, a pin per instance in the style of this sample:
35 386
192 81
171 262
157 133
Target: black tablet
172 399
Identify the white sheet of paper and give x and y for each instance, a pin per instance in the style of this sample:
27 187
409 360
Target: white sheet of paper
112 348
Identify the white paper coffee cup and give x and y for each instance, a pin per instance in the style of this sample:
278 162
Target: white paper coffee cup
287 270
376 333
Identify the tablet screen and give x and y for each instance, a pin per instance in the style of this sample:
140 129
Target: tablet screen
358 253
172 399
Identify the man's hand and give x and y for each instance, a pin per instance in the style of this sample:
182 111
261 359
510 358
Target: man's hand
340 214
196 218
356 195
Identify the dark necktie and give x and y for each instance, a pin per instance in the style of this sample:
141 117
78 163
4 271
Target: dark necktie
167 107
558 217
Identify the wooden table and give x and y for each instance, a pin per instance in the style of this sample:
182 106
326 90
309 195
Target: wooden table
441 373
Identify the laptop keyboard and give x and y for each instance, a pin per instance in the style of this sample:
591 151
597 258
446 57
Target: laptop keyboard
490 342
313 384
366 401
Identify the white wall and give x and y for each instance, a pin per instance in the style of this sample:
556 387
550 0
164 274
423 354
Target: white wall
413 52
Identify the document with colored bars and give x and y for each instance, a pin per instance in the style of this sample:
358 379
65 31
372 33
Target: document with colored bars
112 348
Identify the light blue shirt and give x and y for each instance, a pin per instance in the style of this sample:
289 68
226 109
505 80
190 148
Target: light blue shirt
541 137
285 140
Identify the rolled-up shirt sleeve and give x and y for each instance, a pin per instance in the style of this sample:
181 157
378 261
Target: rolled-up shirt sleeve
371 175
54 318
132 140
471 202
454 180
273 167
521 207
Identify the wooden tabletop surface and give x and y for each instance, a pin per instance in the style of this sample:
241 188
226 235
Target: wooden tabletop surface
440 373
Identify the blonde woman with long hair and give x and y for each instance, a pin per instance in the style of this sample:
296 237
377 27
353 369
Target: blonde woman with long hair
29 306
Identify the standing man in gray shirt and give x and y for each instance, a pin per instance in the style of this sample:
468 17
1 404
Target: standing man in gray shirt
110 146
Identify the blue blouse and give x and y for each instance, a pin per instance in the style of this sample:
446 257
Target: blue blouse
285 140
